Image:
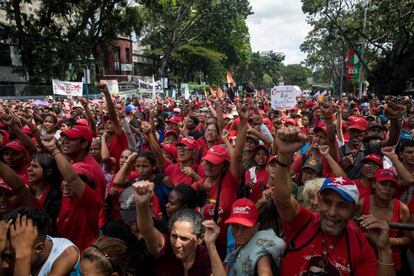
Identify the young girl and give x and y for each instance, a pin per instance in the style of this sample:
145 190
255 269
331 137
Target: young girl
256 177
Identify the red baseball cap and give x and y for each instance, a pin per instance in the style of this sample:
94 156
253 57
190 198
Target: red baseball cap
171 149
383 175
290 121
82 122
27 130
373 158
174 120
216 155
15 145
173 132
189 142
208 211
243 212
79 132
359 123
321 127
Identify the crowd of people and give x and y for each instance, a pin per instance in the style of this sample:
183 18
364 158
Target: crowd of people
220 186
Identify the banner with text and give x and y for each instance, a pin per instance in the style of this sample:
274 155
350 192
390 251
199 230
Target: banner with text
67 88
112 86
284 96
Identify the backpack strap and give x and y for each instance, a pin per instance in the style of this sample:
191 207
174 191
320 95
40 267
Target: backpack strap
292 245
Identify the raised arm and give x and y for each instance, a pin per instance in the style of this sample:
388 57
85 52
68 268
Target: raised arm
339 132
155 147
23 193
236 157
211 233
335 167
65 168
288 141
111 108
404 173
394 114
144 190
89 116
122 174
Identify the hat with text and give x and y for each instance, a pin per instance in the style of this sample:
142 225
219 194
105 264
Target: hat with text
243 212
345 187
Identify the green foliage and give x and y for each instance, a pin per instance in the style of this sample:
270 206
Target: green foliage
296 74
59 38
197 37
387 36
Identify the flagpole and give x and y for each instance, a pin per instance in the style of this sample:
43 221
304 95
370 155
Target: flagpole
361 68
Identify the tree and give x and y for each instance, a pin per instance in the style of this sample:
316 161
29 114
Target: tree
296 74
171 24
386 40
60 36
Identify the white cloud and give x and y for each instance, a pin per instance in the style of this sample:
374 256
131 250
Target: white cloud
278 25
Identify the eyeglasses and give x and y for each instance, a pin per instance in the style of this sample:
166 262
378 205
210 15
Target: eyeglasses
182 148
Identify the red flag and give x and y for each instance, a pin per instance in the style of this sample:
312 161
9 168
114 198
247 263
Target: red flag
230 79
220 93
212 91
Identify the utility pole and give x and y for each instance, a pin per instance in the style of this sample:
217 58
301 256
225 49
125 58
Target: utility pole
361 69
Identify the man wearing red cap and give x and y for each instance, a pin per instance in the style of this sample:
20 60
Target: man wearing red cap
256 252
82 200
16 157
353 152
328 241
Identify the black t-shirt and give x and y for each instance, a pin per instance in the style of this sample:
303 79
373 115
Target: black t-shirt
354 171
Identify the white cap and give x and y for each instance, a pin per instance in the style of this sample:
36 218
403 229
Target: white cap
177 110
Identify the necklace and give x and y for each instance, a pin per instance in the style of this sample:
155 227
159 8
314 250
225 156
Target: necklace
326 249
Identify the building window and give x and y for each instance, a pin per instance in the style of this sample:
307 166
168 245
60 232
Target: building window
127 60
5 58
117 59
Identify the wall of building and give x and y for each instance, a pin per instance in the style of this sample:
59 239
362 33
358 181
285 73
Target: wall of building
115 62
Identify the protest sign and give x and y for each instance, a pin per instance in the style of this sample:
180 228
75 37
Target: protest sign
112 86
186 89
67 88
284 96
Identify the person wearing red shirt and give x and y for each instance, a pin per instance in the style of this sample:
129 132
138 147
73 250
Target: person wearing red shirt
383 206
16 157
185 171
83 187
326 242
371 164
180 253
222 176
256 177
116 139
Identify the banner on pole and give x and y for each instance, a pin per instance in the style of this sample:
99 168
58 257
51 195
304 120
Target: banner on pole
112 86
353 64
186 89
284 97
67 88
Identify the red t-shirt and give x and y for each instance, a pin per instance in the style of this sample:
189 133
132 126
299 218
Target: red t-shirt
411 206
176 177
228 195
363 190
260 185
116 146
394 233
169 265
309 258
78 218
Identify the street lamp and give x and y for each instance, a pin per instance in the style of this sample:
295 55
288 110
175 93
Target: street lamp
87 74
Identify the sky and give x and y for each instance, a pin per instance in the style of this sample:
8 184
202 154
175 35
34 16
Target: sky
278 25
